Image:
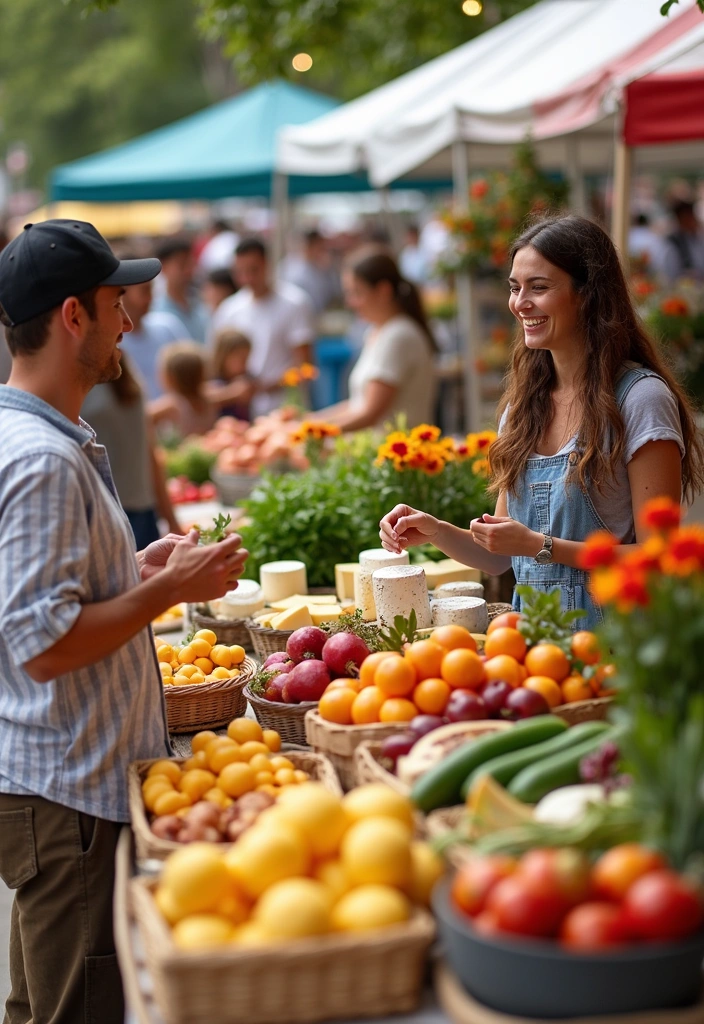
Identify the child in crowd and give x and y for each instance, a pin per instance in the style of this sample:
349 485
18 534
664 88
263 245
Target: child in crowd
186 406
230 355
217 286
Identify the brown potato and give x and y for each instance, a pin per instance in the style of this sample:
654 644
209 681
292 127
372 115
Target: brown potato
168 826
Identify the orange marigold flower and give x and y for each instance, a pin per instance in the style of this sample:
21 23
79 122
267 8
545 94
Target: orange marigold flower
599 551
291 378
645 556
433 465
480 443
674 307
461 451
685 552
309 372
660 514
478 189
605 584
480 467
633 592
425 432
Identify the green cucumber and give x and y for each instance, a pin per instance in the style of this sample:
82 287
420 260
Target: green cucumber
440 787
503 768
533 783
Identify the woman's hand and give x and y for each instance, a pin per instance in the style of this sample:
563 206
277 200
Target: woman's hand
502 535
405 527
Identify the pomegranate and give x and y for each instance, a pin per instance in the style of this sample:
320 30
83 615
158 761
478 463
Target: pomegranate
276 659
307 681
344 653
275 688
306 642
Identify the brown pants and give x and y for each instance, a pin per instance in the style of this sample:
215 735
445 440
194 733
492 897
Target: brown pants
63 967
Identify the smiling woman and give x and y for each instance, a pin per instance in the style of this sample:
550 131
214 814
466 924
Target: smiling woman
592 423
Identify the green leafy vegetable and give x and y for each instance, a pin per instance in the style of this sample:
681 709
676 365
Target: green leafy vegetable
402 632
217 532
544 619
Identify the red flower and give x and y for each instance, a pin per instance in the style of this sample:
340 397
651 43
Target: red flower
400 448
599 551
478 189
674 307
660 514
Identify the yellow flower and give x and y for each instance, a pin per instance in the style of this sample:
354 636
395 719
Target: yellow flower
425 432
433 465
479 444
291 378
309 372
481 466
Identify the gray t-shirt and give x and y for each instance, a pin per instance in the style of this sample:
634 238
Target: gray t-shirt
123 431
649 413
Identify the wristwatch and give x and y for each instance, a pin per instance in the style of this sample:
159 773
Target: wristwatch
544 556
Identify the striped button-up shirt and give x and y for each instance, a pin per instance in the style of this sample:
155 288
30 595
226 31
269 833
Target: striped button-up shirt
65 542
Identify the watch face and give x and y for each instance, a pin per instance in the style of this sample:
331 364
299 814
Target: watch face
543 557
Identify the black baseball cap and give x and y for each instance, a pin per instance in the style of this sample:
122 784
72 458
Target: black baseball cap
48 262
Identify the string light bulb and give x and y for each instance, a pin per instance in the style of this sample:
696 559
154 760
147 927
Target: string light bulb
302 62
472 7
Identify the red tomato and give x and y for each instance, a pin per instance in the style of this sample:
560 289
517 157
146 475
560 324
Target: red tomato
475 880
564 872
594 926
618 868
487 924
663 905
525 909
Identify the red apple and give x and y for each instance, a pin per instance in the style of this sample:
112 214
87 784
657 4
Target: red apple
465 706
494 695
522 703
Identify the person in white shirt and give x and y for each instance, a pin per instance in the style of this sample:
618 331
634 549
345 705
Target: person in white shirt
413 261
395 372
277 318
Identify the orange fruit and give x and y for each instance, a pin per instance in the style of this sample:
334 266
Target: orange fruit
548 660
367 705
395 676
453 637
503 666
397 709
507 619
585 647
505 640
344 684
463 668
336 705
601 675
430 696
369 667
547 687
576 687
426 657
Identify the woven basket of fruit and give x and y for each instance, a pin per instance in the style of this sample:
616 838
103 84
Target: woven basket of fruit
339 742
229 631
214 817
266 641
595 710
287 719
194 706
498 608
369 767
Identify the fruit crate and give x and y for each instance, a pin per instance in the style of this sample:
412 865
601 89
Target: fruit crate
331 977
150 847
208 705
339 742
287 719
595 710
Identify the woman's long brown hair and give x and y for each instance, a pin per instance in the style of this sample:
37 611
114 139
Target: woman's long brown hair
612 334
372 265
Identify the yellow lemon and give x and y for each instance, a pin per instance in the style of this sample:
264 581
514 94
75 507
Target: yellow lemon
169 803
266 787
207 635
272 739
198 760
301 776
200 647
201 739
260 763
220 673
202 931
217 797
263 779
168 906
368 907
377 851
251 934
197 878
333 875
165 668
237 654
196 782
284 777
236 779
293 909
197 677
152 793
426 869
186 670
165 767
204 664
281 762
234 907
245 730
220 655
317 812
168 681
377 800
187 655
223 754
165 652
263 856
249 749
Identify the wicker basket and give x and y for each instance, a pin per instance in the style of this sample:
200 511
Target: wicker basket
265 641
584 710
208 705
368 769
339 742
287 719
150 846
439 824
332 977
228 631
498 608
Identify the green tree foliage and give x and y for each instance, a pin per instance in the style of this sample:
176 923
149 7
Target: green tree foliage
74 80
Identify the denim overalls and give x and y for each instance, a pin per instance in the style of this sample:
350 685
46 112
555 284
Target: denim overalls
545 503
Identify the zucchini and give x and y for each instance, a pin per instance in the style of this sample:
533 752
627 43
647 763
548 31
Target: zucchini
502 769
440 786
533 783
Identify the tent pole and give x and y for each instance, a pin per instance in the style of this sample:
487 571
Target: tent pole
621 202
467 313
575 176
279 202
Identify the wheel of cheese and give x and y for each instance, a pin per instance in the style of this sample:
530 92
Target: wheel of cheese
464 589
242 603
399 590
380 558
470 612
283 579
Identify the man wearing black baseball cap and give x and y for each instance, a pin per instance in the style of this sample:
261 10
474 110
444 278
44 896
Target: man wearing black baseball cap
80 690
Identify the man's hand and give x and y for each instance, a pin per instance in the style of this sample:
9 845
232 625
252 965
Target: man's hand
205 572
155 556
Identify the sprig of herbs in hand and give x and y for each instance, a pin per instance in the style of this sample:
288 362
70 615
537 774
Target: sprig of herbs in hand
218 532
402 632
354 623
544 619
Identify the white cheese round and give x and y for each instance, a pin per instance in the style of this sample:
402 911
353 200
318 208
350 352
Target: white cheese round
464 589
283 579
242 603
398 590
470 612
364 594
380 558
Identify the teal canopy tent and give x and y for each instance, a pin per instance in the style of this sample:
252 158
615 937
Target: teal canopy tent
223 151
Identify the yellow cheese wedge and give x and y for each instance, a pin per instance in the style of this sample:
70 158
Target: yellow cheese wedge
449 571
265 619
321 613
344 580
299 600
292 618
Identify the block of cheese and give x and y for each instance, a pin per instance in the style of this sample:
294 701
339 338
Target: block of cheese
449 571
470 612
292 618
344 580
321 613
264 619
464 589
380 558
364 594
400 589
283 579
298 600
